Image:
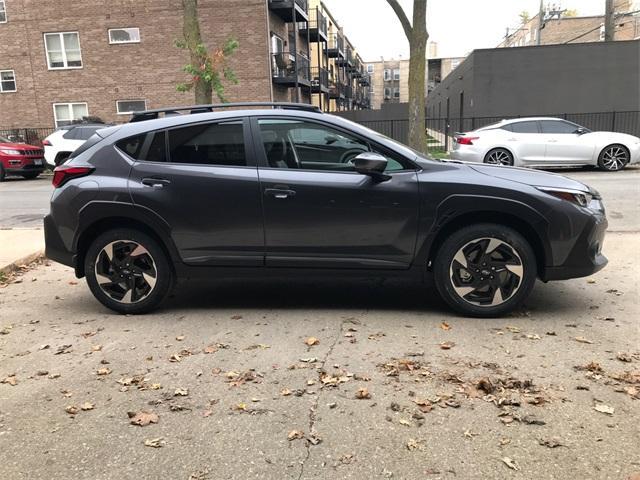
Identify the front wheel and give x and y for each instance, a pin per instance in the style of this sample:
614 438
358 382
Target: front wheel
613 158
485 270
30 176
128 271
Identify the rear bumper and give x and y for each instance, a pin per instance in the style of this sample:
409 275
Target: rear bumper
54 246
586 257
465 154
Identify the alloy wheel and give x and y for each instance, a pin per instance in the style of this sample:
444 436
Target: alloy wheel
486 272
498 157
126 271
614 158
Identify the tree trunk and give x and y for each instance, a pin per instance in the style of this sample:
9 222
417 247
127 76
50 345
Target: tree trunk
192 37
417 64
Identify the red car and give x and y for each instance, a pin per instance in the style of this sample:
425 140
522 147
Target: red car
20 159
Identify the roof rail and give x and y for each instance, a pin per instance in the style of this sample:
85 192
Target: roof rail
169 111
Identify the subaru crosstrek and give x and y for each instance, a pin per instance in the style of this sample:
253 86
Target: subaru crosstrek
284 190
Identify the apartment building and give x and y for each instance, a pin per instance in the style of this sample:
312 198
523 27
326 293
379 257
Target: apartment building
558 28
61 60
390 78
339 79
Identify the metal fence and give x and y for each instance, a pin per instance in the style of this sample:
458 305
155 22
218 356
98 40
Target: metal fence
31 136
442 130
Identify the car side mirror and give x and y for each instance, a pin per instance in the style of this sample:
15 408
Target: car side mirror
581 131
372 164
330 139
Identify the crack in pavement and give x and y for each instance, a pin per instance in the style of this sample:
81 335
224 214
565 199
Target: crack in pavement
314 406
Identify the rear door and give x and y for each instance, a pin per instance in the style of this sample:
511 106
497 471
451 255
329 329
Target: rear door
564 144
203 181
319 212
525 141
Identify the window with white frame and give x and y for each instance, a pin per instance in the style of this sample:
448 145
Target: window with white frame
3 11
387 92
124 35
396 74
396 93
63 50
125 107
7 81
387 74
370 68
66 113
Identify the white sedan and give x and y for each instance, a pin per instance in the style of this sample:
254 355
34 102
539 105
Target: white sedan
64 140
546 142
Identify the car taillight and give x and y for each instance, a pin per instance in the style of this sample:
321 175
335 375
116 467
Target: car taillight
466 140
46 143
64 173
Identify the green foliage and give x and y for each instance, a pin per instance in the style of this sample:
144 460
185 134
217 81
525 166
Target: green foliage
209 68
524 17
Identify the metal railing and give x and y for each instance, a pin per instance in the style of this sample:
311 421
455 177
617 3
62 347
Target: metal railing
30 136
303 4
318 20
336 42
289 65
319 77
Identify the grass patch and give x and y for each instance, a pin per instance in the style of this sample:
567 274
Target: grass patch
437 152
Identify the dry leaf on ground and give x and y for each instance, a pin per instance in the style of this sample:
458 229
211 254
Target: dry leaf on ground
103 371
11 380
583 340
447 345
510 463
71 409
363 394
310 341
445 326
154 442
602 408
295 434
142 418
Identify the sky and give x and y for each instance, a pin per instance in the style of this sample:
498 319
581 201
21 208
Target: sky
458 26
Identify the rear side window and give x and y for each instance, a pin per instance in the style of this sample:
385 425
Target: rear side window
524 127
557 126
150 147
209 144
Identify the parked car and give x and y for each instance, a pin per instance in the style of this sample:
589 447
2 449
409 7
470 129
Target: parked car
292 191
546 142
20 159
64 140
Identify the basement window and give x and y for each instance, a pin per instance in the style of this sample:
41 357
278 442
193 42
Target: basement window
126 107
66 113
7 81
124 35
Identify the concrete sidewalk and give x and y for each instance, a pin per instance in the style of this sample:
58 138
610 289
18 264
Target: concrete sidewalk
20 246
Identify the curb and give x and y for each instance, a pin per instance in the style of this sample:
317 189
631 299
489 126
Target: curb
15 265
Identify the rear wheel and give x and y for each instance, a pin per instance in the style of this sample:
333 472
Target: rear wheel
485 270
499 156
613 158
128 271
30 176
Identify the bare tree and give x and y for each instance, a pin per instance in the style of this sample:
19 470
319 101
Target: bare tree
417 36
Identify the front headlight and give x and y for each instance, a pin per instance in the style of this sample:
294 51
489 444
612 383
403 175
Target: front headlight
7 151
582 199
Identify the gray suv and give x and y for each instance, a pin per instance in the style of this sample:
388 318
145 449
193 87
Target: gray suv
233 190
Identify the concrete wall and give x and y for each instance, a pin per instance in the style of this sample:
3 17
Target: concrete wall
554 79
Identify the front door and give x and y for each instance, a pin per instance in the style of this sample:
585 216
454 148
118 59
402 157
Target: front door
564 144
319 212
203 181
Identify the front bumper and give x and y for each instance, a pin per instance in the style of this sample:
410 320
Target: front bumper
24 169
586 256
635 154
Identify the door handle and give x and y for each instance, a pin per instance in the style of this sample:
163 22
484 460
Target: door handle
279 193
155 182
552 141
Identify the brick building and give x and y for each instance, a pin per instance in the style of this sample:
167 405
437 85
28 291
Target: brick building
63 59
558 28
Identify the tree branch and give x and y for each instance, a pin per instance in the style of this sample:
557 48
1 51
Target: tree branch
402 17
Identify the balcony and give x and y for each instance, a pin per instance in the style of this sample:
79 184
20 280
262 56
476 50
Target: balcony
365 79
336 90
348 91
290 69
290 10
317 26
336 46
319 80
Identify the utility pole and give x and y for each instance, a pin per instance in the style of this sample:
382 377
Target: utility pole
540 22
609 24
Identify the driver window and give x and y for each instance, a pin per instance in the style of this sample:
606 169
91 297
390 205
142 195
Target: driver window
307 145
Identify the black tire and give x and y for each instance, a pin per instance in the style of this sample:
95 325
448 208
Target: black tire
613 158
2 173
499 156
164 275
30 176
472 238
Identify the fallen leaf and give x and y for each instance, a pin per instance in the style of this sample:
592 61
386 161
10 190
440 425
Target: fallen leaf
285 392
103 371
510 463
142 418
11 380
73 282
447 345
241 407
44 347
413 444
63 349
624 357
405 422
602 408
154 442
295 434
236 317
583 340
71 409
96 348
445 326
310 341
470 434
363 394
181 392
175 358
550 442
180 338
210 349
87 406
207 413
